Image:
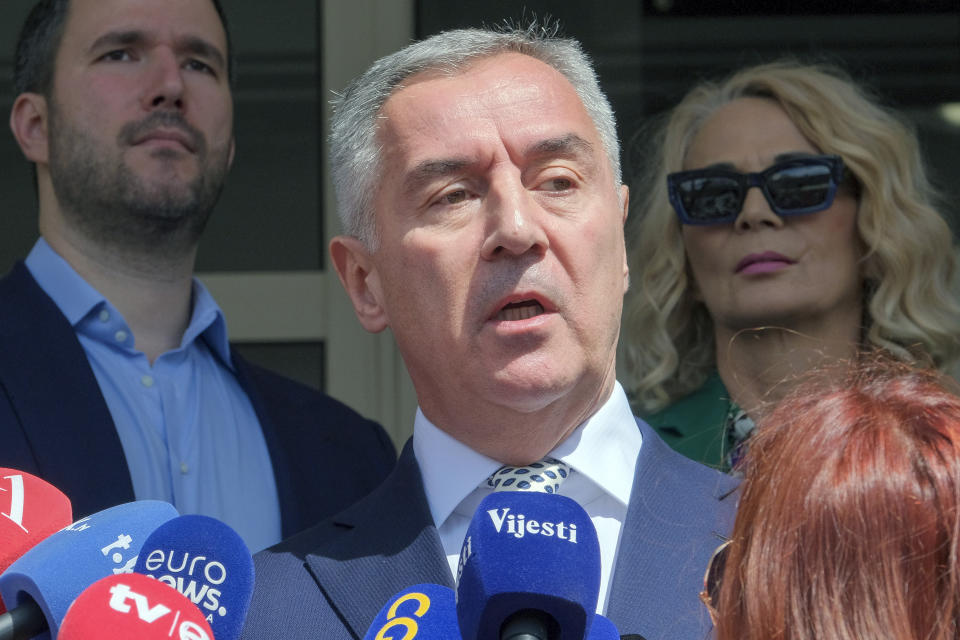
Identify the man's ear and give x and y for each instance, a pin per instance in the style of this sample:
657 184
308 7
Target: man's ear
29 124
625 200
361 280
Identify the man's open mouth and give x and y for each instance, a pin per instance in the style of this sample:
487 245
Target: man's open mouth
521 310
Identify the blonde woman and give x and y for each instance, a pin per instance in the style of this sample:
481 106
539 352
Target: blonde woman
787 223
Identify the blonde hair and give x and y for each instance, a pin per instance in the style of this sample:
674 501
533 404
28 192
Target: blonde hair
908 267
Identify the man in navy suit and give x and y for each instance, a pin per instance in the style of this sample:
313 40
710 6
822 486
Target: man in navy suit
478 180
117 380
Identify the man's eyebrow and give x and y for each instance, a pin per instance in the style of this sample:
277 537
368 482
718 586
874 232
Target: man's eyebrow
118 38
190 44
202 48
430 170
568 146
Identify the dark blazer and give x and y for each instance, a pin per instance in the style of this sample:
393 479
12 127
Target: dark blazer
331 580
54 422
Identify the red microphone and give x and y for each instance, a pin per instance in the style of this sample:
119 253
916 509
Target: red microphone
132 605
30 510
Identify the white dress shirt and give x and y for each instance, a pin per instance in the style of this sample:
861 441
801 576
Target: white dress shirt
602 454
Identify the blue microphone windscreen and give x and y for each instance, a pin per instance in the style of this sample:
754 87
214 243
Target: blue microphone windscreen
528 551
208 562
602 629
55 571
423 611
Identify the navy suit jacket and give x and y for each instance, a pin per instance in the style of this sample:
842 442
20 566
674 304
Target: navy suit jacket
55 424
331 580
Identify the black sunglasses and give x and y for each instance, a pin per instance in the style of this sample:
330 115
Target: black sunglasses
794 187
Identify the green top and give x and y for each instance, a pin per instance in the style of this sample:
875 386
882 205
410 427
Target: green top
695 425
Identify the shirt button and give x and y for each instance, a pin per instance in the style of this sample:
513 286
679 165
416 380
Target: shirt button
184 468
120 336
147 381
104 315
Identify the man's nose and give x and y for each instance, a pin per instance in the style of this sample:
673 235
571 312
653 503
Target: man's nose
515 221
164 85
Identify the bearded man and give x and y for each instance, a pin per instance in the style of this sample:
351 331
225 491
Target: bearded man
117 380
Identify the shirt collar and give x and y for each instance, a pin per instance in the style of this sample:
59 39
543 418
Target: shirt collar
451 470
604 448
77 299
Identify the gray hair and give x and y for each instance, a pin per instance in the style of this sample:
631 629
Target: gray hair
354 150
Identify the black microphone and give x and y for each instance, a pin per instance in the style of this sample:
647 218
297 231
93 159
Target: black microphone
25 621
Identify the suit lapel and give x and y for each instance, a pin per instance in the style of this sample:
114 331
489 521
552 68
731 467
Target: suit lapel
55 395
675 520
386 543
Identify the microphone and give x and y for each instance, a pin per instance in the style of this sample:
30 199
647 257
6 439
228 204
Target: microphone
207 562
133 606
423 611
529 569
42 583
30 510
428 612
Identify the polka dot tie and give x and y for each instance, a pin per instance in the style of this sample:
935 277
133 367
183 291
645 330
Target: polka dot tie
544 476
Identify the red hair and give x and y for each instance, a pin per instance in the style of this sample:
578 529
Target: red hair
849 520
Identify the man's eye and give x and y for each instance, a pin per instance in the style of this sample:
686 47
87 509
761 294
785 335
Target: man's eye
558 184
197 65
453 197
118 55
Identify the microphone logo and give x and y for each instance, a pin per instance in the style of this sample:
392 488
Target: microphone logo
518 525
120 597
122 542
420 601
466 552
16 500
198 578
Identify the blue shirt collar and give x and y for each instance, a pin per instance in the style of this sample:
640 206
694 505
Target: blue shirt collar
77 300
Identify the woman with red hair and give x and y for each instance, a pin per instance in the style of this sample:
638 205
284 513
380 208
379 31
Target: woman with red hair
849 520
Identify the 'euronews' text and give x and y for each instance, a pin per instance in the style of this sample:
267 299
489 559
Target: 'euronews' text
195 577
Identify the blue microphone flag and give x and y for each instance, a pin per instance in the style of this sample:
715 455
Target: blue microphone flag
208 562
528 551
